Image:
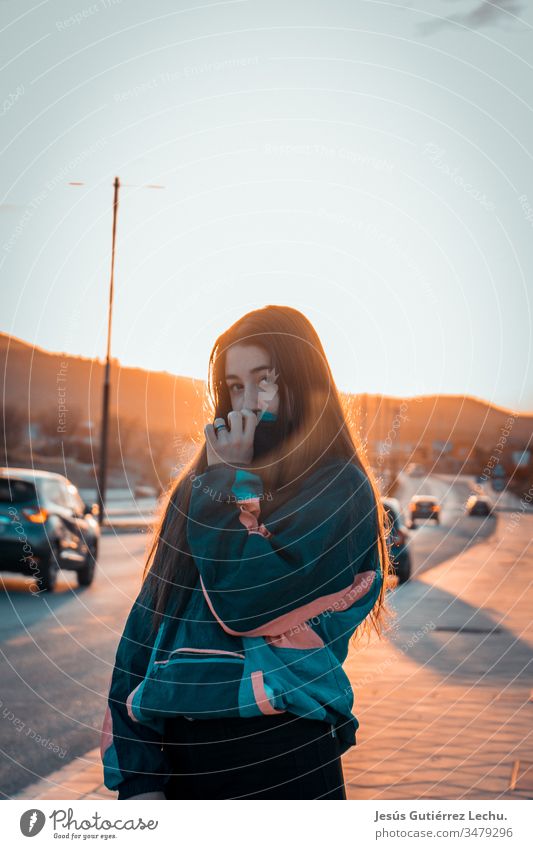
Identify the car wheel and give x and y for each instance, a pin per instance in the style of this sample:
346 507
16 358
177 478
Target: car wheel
49 570
86 573
404 569
403 576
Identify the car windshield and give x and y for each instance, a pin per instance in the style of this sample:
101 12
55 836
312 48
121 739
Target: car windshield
16 491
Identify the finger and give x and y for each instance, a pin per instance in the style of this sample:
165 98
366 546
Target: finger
235 421
209 432
250 421
212 442
220 428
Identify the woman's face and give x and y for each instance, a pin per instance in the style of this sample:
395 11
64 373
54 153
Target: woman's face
251 380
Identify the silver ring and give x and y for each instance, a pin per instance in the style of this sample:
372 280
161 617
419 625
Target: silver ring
219 427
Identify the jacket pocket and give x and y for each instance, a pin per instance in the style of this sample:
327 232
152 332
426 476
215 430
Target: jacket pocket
214 653
201 683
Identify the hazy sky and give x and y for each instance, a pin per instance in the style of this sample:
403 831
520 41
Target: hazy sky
367 162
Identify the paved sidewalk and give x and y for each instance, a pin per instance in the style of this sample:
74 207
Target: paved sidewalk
80 779
443 715
448 715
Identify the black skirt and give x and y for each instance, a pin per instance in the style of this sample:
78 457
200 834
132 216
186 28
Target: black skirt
266 757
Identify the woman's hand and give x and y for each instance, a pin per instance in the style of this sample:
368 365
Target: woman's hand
153 794
234 443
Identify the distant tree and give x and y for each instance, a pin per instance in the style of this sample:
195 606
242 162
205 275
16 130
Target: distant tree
124 442
159 458
13 434
58 426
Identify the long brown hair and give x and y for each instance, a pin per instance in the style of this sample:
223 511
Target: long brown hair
312 427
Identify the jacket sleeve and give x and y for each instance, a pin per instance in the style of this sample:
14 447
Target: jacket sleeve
131 752
319 551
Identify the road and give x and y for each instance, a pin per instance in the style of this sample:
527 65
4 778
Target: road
57 654
57 651
431 543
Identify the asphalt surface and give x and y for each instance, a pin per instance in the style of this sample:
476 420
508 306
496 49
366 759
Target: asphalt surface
56 658
432 544
57 651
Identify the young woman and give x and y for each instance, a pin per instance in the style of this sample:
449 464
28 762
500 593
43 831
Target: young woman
270 552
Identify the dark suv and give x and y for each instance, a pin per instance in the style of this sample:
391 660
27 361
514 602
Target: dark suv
44 526
398 540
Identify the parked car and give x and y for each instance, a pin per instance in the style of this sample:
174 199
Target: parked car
479 505
399 539
424 507
44 526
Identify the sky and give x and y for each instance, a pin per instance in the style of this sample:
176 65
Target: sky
368 163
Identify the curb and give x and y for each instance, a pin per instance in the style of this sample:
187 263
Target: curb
82 778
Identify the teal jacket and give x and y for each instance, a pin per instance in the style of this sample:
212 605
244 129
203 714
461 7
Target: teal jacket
266 629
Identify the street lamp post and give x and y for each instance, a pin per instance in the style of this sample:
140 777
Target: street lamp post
104 425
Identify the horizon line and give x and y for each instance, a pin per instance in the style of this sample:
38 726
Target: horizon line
101 361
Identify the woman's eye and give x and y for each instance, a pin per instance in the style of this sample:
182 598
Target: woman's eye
235 387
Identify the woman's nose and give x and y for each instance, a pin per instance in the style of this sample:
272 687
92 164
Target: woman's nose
251 395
